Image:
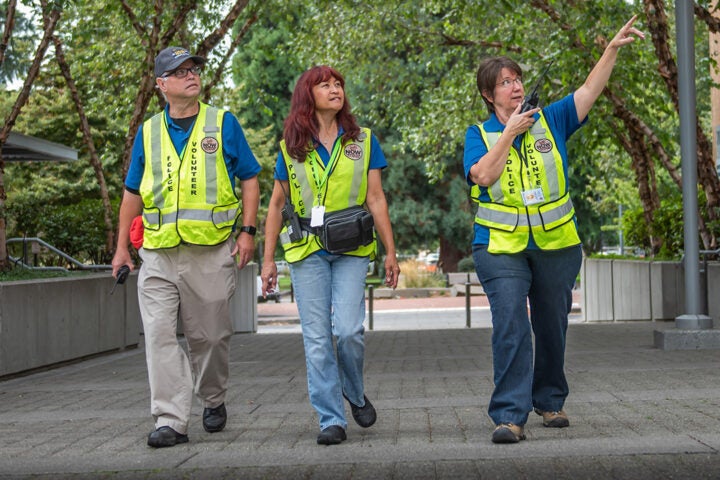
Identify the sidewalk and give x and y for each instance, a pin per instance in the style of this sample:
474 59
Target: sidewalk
399 313
636 413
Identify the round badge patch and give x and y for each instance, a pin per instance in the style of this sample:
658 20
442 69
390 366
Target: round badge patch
353 151
543 145
209 145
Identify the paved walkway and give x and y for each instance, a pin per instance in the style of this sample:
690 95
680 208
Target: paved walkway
636 413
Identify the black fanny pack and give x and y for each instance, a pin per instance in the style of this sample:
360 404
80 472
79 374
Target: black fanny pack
345 230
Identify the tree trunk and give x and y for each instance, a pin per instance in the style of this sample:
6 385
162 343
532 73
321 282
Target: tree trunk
707 174
9 26
87 138
450 255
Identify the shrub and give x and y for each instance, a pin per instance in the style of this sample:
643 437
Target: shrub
414 274
77 229
466 264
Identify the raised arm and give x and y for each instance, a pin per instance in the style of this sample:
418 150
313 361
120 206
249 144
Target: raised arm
586 95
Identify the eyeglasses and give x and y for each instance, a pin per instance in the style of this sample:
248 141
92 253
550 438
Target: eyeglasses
507 83
183 72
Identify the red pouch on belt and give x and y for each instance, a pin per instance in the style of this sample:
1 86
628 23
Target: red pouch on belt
136 232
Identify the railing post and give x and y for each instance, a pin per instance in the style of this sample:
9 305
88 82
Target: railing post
370 306
467 304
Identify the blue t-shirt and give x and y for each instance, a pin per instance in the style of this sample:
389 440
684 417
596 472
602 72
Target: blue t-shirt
377 157
239 159
561 117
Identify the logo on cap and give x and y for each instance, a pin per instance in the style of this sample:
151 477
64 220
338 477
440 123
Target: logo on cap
180 52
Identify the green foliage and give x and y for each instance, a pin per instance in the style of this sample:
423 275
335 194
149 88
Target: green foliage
19 50
19 273
467 264
76 229
410 71
667 224
265 69
415 275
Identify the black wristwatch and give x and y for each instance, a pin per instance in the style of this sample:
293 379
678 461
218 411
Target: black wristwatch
249 229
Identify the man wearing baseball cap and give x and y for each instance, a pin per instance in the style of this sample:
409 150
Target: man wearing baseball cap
182 179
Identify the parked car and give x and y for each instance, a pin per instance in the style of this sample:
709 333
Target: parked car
283 268
432 258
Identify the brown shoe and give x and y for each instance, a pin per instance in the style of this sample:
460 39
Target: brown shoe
554 419
508 433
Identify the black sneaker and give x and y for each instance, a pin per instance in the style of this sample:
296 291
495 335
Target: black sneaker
166 437
214 419
332 435
364 416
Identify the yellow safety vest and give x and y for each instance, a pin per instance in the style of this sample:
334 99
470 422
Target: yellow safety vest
189 199
345 185
507 216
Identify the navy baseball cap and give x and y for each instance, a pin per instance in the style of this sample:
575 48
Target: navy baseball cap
172 57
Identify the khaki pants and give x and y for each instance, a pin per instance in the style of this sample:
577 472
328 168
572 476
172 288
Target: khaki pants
193 285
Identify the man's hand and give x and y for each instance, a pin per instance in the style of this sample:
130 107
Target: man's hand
244 249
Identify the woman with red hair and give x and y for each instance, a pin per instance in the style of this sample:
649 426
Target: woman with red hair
327 206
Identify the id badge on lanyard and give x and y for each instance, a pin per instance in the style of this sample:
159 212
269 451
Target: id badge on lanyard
317 218
532 197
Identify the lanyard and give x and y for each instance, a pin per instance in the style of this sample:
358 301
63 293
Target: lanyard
316 163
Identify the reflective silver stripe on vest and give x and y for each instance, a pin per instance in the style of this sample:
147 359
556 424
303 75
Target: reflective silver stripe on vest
359 166
513 220
211 129
495 190
156 160
358 169
305 189
555 213
520 219
548 158
216 217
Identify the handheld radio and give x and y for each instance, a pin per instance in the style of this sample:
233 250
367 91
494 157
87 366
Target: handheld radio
122 275
533 100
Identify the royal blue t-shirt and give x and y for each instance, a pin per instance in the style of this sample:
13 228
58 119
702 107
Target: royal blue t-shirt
561 117
239 159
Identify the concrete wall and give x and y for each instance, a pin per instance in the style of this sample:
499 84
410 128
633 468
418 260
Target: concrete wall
43 322
49 321
713 299
597 287
626 290
667 283
243 304
460 278
631 290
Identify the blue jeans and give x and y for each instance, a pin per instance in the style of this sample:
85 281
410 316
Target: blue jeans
545 278
330 295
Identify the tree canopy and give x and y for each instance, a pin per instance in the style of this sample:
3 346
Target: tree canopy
410 71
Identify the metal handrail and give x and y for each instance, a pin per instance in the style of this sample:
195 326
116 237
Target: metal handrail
77 263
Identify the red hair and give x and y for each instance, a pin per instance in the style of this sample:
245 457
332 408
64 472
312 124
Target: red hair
301 125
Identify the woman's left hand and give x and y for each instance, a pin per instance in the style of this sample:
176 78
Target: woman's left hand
392 271
625 35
